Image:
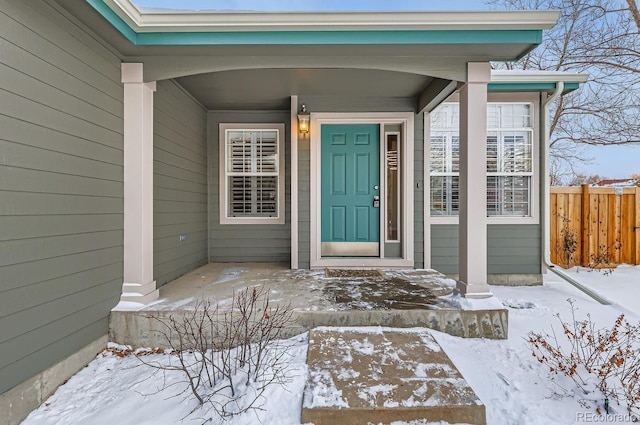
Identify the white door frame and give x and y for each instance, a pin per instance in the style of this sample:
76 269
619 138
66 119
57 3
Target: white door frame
406 119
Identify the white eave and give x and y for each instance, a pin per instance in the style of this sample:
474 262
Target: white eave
211 21
519 76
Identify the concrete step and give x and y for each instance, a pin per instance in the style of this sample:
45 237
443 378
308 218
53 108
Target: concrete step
381 375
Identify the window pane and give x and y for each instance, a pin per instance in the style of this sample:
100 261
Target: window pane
444 194
508 196
493 116
266 195
238 152
267 152
392 187
438 154
446 115
514 115
517 152
239 196
455 154
492 152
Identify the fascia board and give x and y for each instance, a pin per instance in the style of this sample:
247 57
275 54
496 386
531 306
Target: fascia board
209 21
524 76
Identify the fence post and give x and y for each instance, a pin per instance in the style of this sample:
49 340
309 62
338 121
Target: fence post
636 225
585 217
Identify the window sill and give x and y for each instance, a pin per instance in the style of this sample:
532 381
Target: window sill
251 220
490 220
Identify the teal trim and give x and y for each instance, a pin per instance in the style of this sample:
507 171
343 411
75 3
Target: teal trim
339 37
114 20
530 86
533 37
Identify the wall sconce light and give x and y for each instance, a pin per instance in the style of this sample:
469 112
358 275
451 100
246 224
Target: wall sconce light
303 119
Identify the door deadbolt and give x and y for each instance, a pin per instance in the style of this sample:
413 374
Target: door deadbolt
376 201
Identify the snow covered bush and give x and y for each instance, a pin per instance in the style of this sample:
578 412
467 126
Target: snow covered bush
603 359
228 358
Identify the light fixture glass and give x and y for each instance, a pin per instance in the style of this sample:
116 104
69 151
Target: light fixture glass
303 119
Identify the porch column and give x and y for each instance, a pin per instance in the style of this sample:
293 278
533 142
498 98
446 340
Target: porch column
138 285
473 183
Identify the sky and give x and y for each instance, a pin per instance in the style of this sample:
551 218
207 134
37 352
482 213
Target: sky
614 162
609 161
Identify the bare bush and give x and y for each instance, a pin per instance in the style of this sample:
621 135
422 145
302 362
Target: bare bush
602 259
606 359
228 358
567 244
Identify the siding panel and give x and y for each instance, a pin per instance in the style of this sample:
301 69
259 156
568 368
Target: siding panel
246 243
179 182
60 188
511 248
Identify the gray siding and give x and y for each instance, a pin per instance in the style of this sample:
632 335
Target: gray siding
247 242
179 182
61 190
304 204
361 104
511 249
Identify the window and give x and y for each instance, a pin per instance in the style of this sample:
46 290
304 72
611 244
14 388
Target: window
445 159
392 151
509 160
251 173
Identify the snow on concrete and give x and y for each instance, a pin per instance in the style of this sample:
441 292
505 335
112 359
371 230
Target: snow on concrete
459 302
514 387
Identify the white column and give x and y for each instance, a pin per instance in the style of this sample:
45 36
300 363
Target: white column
294 181
138 285
473 183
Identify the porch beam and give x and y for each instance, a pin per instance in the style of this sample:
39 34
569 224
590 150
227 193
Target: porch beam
138 284
473 182
435 93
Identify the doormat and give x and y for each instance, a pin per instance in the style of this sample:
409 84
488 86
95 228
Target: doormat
351 273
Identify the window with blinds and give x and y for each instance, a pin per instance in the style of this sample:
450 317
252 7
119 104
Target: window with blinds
509 159
252 173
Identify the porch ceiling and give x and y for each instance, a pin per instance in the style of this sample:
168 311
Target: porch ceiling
264 89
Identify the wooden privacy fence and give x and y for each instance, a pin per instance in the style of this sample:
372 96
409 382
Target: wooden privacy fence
595 226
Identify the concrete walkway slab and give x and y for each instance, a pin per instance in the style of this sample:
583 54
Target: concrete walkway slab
381 375
393 298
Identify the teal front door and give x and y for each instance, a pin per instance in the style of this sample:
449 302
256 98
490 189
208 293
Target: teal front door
350 190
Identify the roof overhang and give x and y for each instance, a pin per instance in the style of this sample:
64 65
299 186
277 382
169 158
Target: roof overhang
536 81
418 55
167 27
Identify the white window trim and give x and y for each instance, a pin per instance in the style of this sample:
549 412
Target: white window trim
534 218
222 163
406 119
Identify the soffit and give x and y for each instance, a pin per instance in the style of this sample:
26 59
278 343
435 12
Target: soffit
264 89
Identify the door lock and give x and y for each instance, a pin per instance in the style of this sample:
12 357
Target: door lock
376 201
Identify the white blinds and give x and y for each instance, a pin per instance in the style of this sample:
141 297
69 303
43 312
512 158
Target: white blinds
252 172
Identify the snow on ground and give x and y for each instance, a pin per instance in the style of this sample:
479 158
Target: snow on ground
615 285
510 382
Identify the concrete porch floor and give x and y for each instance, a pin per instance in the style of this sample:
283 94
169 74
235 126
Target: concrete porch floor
392 298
